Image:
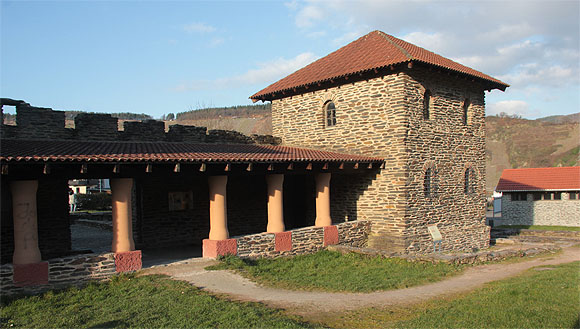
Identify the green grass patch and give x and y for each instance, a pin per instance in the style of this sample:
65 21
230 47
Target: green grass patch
333 271
542 227
128 301
542 297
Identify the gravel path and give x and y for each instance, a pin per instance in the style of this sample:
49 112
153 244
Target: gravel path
308 302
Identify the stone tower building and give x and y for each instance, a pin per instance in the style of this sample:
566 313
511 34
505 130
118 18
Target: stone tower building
424 114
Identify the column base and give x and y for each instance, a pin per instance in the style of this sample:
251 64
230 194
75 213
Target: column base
330 235
128 261
30 274
283 241
216 248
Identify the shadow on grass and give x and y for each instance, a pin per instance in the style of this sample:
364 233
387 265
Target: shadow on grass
111 324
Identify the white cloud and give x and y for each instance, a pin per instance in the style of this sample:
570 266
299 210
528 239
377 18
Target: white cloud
308 16
216 42
198 28
510 107
266 73
536 74
435 42
316 34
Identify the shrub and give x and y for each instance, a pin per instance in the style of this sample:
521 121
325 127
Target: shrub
94 201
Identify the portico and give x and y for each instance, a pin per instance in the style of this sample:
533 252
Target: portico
251 177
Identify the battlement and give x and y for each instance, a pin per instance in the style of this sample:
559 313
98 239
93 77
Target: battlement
45 123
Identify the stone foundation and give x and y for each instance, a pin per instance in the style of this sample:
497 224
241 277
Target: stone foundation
128 261
30 274
330 235
283 241
216 248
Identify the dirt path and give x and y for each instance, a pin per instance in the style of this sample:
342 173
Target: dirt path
305 302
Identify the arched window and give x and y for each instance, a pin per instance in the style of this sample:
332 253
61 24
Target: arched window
466 104
329 114
468 181
426 101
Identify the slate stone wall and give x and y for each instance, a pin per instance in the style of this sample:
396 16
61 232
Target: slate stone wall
96 126
564 212
62 272
383 117
45 123
304 240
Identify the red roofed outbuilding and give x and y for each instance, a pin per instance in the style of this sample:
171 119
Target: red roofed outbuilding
540 196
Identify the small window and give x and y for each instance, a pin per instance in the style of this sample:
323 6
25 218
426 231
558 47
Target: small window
427 182
547 196
573 195
466 104
521 196
430 182
537 196
468 181
557 195
426 104
330 114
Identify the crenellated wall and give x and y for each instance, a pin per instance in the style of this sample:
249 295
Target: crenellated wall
45 123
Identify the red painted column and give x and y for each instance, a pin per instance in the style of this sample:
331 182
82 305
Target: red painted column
275 203
28 267
218 243
126 257
323 200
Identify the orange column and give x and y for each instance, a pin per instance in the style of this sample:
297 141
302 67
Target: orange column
323 200
25 222
275 203
122 215
218 216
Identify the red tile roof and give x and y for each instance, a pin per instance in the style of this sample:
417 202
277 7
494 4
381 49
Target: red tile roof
80 151
539 179
373 51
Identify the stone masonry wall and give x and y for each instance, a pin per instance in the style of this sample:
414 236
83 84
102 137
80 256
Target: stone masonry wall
382 117
564 212
45 123
304 240
370 120
71 270
96 126
449 146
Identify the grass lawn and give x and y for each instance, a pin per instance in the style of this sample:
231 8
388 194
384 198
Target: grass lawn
138 302
333 271
542 227
542 297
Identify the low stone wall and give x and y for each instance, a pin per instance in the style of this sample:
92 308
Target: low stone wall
564 212
479 257
62 272
303 240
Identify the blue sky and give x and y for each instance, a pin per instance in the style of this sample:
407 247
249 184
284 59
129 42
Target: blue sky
158 57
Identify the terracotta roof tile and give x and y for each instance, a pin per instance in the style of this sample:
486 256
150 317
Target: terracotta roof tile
372 51
539 179
71 151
